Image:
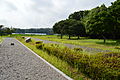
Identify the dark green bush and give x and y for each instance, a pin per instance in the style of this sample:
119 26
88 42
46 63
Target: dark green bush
39 46
101 66
78 49
117 47
23 37
38 42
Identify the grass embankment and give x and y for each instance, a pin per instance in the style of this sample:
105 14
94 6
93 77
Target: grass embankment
1 39
101 66
112 45
60 64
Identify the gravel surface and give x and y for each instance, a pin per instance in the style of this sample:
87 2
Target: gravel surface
19 63
88 49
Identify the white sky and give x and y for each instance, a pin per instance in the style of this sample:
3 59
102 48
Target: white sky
42 13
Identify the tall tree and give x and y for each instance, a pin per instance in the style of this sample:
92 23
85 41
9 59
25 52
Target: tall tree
69 27
114 10
1 26
98 22
59 28
78 15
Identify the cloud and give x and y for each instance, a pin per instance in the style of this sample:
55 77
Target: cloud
41 13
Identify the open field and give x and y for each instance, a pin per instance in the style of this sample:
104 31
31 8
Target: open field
97 66
60 64
92 43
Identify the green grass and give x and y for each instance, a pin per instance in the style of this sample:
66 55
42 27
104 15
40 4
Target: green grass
60 64
1 39
96 66
92 43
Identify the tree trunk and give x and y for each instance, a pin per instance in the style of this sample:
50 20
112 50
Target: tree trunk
0 32
69 36
78 37
104 39
61 36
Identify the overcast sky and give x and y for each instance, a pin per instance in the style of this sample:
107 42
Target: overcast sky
42 13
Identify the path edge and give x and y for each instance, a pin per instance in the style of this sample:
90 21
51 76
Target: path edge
63 74
1 42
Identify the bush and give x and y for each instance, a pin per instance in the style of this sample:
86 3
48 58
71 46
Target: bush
117 47
23 37
101 66
38 42
39 46
78 49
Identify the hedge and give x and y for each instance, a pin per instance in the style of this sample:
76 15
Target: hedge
101 66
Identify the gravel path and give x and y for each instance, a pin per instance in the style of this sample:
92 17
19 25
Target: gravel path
19 63
88 49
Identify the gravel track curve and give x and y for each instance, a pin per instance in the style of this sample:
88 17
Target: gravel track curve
88 49
19 63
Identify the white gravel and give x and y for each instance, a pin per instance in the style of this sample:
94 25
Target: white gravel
19 63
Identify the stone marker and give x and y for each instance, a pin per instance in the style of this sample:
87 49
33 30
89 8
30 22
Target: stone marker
28 39
12 43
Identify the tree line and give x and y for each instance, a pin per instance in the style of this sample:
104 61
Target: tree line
34 30
6 30
101 22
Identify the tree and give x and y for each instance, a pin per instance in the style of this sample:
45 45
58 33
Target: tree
78 15
59 28
98 22
69 27
79 29
7 31
114 11
1 26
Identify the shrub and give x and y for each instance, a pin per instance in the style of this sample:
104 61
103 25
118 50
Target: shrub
23 37
38 42
39 46
101 66
78 49
117 47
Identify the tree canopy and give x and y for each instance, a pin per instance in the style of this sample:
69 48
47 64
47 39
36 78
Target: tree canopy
100 22
69 27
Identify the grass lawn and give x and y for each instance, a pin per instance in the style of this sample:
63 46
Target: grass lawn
60 64
1 39
93 43
71 62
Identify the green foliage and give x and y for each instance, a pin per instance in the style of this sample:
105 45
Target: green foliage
78 49
114 11
5 30
58 63
38 42
84 41
69 27
100 66
39 45
78 15
100 22
1 39
1 26
34 30
117 47
23 37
